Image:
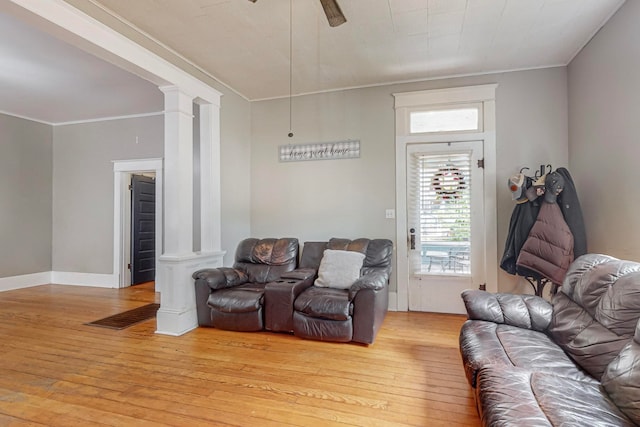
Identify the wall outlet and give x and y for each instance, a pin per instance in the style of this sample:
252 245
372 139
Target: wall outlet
390 214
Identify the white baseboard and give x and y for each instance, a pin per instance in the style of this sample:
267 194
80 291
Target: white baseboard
84 279
24 281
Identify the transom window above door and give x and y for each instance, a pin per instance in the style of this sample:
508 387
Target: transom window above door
463 118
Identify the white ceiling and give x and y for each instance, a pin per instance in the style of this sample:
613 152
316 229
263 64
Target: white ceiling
45 79
245 45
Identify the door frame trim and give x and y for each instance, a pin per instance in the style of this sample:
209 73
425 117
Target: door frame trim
403 102
122 169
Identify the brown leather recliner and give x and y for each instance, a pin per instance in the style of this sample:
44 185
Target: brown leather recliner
233 298
343 315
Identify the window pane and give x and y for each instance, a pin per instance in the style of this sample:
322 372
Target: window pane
445 213
461 119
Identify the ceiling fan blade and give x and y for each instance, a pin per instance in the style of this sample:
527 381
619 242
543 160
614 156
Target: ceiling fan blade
333 12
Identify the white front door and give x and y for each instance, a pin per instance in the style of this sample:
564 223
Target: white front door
445 219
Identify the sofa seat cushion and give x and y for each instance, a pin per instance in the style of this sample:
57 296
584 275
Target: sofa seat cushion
519 397
486 343
326 303
240 299
316 328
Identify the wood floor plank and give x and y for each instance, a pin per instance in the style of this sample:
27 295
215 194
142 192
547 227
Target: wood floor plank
58 371
7 421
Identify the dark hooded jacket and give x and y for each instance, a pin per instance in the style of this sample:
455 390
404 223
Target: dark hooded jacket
572 212
522 219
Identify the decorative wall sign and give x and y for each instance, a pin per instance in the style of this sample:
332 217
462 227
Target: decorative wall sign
349 149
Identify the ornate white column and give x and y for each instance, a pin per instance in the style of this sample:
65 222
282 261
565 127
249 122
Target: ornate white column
210 227
178 171
177 313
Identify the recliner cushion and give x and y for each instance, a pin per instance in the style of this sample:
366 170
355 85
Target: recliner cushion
241 299
326 303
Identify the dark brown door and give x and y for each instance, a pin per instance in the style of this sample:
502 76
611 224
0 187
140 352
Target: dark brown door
143 229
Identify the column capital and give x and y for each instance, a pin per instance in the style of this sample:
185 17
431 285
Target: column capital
176 100
175 89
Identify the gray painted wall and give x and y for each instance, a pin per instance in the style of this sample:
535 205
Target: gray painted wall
309 200
235 149
25 196
604 107
347 198
83 182
83 186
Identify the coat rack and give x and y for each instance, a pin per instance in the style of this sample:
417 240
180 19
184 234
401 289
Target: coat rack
538 283
541 172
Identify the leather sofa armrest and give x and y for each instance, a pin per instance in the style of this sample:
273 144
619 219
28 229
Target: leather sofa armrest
375 280
370 296
524 311
300 274
220 278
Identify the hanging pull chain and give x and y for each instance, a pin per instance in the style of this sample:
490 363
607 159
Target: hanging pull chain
290 66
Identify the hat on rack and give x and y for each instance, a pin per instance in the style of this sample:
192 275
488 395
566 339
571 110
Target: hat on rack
554 184
516 186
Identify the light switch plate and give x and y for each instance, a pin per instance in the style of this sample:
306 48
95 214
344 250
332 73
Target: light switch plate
390 214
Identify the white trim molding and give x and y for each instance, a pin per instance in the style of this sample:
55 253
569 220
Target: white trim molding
24 281
95 280
484 94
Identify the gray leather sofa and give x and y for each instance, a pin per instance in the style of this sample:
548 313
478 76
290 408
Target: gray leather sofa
572 362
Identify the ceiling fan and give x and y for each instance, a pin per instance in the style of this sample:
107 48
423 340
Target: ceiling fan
332 10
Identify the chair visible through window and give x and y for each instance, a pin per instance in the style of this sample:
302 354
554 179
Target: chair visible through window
459 260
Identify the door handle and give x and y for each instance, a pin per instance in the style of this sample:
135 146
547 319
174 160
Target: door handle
412 238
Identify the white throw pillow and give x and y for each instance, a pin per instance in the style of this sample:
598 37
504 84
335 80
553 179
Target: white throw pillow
339 269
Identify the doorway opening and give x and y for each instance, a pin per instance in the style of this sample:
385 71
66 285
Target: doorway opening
150 222
424 121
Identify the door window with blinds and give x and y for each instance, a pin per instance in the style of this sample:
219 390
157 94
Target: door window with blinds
442 211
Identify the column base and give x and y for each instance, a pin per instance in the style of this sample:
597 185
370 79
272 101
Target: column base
177 313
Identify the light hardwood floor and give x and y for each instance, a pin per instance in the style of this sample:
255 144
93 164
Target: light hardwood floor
56 371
